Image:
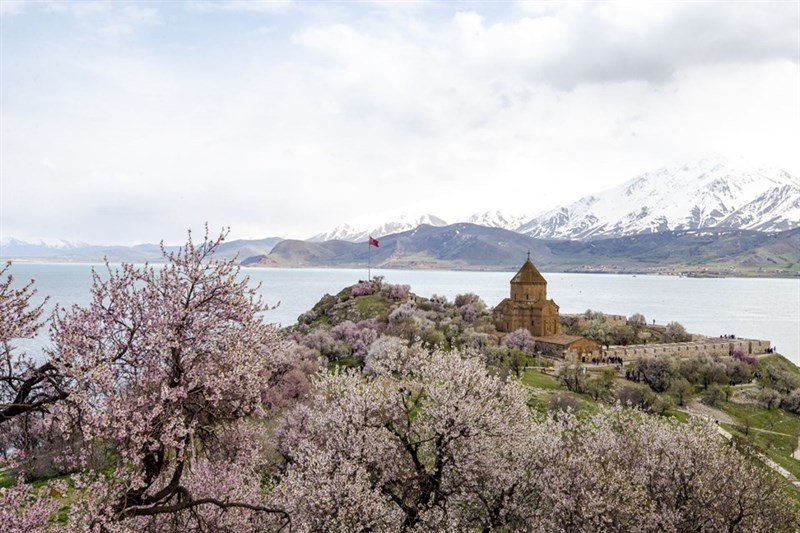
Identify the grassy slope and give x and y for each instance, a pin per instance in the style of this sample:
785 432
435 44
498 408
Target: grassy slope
777 362
774 432
539 380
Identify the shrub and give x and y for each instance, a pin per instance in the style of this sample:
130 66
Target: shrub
675 332
564 402
358 335
780 379
308 317
682 390
635 396
713 373
792 402
739 372
397 293
713 395
637 320
656 371
363 288
325 343
521 340
770 398
739 355
599 385
662 404
573 377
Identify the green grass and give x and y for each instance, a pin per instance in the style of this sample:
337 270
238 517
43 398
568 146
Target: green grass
792 465
680 416
537 403
6 480
779 448
539 380
372 305
344 362
322 320
588 406
776 420
41 482
777 362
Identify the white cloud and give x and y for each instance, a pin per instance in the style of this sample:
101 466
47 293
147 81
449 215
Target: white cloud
78 9
252 6
13 7
330 115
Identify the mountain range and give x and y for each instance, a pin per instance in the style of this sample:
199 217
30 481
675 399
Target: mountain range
63 251
469 247
709 193
731 211
345 232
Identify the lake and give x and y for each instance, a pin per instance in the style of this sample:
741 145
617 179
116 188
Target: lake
746 307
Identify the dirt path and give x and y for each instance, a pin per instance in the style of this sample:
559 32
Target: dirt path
697 408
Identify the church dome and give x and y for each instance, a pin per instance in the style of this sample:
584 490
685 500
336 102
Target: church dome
528 274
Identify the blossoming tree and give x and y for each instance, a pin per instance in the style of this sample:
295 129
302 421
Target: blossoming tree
160 367
442 446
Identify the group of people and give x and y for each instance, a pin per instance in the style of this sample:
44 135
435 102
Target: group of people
633 375
613 360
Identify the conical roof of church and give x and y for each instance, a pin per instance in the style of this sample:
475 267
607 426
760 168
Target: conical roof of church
528 274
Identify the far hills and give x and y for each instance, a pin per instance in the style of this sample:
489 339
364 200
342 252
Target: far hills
67 252
472 247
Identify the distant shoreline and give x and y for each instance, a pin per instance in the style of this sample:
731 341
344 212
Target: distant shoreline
666 271
684 274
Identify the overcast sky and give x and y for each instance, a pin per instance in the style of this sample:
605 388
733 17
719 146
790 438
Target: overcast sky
127 122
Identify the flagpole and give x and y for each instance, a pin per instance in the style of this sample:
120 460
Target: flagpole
370 243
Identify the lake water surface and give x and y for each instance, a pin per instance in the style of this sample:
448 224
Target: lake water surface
746 307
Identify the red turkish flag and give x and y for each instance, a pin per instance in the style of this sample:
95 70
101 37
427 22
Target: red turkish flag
373 242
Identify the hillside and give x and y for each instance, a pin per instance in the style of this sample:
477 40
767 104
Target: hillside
457 246
472 247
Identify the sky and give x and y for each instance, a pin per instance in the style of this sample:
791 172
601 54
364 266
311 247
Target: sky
130 122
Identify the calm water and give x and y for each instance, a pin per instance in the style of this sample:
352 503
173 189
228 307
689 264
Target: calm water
757 308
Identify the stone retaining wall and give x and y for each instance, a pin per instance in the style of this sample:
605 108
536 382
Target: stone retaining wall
708 346
612 320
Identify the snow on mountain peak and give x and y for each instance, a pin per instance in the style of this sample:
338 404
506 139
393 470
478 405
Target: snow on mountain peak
497 219
53 244
707 193
346 232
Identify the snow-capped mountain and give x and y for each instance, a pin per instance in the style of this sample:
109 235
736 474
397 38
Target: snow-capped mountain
346 232
10 246
709 193
497 219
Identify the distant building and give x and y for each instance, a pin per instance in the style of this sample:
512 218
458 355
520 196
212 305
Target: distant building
528 306
567 346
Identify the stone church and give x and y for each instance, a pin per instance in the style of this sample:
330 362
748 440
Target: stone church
528 306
